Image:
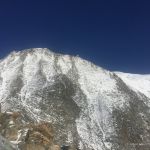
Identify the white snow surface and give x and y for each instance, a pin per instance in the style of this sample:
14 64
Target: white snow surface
98 84
137 82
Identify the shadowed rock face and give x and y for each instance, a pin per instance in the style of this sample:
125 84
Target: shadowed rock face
131 129
131 123
90 107
57 101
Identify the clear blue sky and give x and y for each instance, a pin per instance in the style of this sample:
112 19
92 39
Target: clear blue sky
114 34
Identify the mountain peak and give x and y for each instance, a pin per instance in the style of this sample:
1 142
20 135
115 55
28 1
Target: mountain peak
36 50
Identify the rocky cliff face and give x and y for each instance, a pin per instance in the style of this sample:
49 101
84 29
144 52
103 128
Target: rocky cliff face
89 107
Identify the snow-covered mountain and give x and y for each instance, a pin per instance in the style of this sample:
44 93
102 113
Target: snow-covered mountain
90 107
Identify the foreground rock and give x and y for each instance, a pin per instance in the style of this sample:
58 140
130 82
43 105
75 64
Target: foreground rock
25 136
5 144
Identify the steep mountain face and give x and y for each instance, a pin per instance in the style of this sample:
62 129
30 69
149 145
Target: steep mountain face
89 107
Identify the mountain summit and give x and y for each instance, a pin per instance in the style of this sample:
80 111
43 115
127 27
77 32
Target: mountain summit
90 107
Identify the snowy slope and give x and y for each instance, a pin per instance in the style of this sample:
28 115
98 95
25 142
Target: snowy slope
83 101
137 82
